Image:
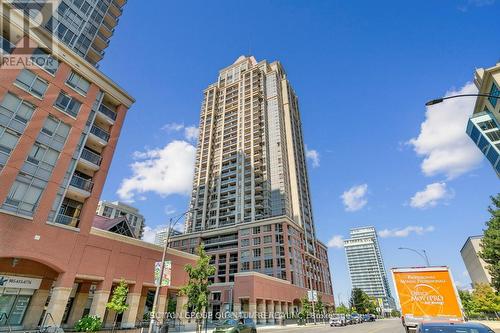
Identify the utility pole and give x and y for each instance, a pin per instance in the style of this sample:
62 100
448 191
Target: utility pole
171 225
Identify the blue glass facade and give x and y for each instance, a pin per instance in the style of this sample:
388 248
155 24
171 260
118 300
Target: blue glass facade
484 131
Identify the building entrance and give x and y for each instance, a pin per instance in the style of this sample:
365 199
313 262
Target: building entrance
15 295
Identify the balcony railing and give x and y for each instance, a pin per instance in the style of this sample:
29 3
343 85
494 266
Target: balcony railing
90 156
67 220
81 183
100 133
5 45
107 112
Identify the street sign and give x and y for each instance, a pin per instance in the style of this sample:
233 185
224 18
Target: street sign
312 295
167 271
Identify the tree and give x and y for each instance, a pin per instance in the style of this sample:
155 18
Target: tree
306 308
359 301
342 309
485 300
118 301
395 313
319 307
196 289
491 242
88 324
467 303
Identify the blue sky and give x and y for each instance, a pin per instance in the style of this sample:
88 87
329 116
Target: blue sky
362 70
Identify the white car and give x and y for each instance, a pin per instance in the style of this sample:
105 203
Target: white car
338 320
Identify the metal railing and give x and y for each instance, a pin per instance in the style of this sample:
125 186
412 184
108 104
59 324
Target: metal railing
107 111
81 183
90 156
100 133
6 46
67 220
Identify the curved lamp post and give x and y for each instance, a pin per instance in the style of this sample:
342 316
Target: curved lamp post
421 253
439 100
171 225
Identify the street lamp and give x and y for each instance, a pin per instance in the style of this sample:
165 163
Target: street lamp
421 253
439 100
171 225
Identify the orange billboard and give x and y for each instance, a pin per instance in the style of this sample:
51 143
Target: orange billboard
427 292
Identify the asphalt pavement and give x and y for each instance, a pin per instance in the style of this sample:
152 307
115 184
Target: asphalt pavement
380 326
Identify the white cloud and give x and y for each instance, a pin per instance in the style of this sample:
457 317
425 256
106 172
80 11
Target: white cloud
150 233
169 210
405 232
313 156
172 127
337 241
355 198
164 171
191 133
442 140
431 195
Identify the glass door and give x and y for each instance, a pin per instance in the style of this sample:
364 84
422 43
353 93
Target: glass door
19 309
6 302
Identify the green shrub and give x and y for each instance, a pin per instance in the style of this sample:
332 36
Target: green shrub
88 324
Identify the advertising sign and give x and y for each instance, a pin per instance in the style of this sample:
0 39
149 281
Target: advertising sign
167 271
8 281
312 295
427 292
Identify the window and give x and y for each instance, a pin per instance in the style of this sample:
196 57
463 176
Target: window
279 239
216 296
256 241
23 196
494 92
278 227
494 136
54 133
78 83
13 107
267 228
268 251
107 211
256 253
245 254
245 242
67 104
32 83
487 125
245 266
280 262
45 61
244 232
8 140
268 239
256 264
268 263
256 230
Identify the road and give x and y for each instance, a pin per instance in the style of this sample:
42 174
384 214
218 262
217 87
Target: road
380 326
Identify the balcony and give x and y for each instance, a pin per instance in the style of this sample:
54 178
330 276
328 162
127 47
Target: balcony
99 135
108 112
67 220
80 187
6 46
91 159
